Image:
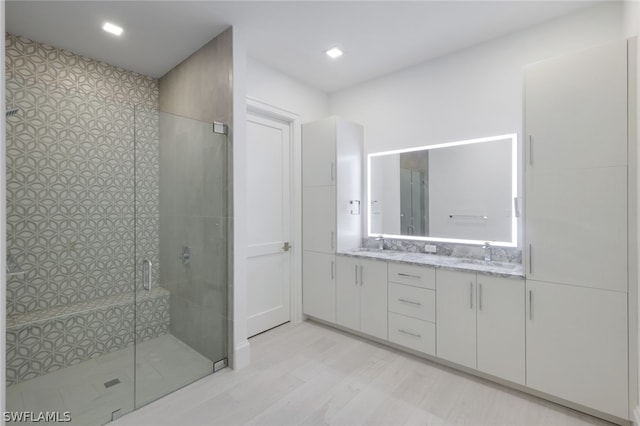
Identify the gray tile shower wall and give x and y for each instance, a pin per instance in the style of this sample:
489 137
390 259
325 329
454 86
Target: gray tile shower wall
194 208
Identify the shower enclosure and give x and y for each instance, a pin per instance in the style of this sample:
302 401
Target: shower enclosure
117 252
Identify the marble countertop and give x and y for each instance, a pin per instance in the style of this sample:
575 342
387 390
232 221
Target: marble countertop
499 269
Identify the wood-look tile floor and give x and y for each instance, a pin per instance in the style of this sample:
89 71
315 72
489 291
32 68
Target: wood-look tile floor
309 374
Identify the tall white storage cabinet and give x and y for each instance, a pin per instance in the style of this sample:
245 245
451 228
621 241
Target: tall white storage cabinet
576 228
331 207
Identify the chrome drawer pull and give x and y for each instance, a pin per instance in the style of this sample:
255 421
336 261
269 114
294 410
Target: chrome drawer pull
410 301
410 333
409 276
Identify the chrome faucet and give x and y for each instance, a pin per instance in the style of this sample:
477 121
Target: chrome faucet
380 240
487 251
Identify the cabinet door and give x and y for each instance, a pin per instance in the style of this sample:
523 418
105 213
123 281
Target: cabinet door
319 219
456 317
577 227
576 109
319 153
577 345
373 298
348 292
500 327
319 285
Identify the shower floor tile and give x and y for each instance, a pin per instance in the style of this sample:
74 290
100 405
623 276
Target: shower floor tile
163 365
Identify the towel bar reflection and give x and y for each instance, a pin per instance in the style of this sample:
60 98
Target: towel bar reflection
468 216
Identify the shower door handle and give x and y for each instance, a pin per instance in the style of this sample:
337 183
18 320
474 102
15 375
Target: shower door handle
146 274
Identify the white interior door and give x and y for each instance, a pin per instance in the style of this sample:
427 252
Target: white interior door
268 204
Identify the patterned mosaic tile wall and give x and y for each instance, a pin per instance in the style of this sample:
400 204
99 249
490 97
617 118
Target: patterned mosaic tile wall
71 198
30 60
77 186
81 332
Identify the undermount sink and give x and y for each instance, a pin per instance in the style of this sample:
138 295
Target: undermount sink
478 262
374 250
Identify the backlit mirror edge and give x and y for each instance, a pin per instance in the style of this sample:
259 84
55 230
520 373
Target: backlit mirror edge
514 192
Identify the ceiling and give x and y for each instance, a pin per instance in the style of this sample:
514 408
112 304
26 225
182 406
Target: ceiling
378 37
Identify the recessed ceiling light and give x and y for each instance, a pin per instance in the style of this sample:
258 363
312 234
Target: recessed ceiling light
334 53
113 29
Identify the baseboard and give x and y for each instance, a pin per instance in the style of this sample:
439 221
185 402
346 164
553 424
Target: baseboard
635 416
241 355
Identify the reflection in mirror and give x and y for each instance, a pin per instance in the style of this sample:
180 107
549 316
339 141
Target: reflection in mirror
454 192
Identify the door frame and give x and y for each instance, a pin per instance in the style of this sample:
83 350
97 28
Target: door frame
266 110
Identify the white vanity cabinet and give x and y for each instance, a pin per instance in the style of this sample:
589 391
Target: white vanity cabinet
361 295
331 216
456 317
577 345
412 307
480 323
576 227
500 317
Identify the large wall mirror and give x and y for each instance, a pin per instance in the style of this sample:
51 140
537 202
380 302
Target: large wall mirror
464 192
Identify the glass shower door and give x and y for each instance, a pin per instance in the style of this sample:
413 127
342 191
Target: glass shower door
181 252
97 189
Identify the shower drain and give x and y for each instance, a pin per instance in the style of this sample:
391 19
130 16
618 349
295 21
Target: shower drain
112 382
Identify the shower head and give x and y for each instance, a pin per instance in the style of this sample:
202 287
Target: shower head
11 112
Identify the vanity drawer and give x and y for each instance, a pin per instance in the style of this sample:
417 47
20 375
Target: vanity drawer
412 333
412 301
419 276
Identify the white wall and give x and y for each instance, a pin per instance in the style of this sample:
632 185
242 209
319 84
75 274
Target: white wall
272 87
473 93
632 29
240 344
